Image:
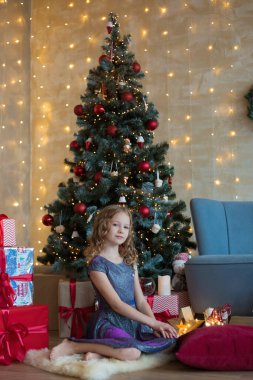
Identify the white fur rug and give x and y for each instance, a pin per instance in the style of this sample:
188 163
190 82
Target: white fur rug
96 369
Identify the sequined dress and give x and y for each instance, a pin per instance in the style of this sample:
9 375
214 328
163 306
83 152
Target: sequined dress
112 329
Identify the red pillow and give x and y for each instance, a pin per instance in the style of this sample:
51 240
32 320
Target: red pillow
222 348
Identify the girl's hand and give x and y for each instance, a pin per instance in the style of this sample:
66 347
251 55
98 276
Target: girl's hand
164 330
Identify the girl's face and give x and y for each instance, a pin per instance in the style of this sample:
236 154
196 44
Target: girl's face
118 229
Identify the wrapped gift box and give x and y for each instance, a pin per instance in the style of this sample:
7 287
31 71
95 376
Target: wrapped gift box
76 300
7 231
22 329
160 304
171 303
183 299
16 275
46 292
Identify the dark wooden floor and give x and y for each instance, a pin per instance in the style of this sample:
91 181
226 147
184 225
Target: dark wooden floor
171 371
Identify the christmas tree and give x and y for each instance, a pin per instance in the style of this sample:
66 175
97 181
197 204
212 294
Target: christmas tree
115 161
249 97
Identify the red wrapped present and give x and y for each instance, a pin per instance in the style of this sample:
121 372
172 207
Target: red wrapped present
21 329
7 231
164 307
16 276
76 304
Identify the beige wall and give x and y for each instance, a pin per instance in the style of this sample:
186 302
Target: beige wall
15 143
197 56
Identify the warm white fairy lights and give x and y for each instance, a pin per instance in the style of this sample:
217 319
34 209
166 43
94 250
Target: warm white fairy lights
14 115
219 104
193 94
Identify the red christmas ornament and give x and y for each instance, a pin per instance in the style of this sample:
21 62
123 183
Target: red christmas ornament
99 109
98 176
47 220
88 143
111 130
78 110
170 180
127 96
144 211
80 208
78 170
136 67
74 145
144 166
109 27
103 57
169 214
151 125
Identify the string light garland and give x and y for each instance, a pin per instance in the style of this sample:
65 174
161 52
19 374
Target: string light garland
49 111
14 115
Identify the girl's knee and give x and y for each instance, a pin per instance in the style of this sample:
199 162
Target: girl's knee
130 353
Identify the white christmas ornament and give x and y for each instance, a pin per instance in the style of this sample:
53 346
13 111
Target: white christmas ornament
155 228
158 182
122 199
90 217
76 179
122 83
75 234
114 172
60 229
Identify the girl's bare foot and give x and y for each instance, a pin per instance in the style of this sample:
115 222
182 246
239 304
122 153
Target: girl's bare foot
91 355
66 347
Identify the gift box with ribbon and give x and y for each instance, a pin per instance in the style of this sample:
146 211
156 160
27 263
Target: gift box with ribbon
76 301
169 306
183 299
16 276
7 231
163 307
22 329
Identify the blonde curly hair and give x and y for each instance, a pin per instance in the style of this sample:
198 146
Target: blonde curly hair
101 228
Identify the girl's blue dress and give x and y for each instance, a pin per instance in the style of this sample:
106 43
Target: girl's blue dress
112 329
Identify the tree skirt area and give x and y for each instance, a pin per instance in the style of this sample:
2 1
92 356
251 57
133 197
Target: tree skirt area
95 369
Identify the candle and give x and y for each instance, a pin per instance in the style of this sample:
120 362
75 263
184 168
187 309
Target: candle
164 288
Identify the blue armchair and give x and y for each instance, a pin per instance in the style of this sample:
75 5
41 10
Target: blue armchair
223 271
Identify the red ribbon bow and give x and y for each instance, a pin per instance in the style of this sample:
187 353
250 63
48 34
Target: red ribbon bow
80 314
6 289
11 341
2 216
162 316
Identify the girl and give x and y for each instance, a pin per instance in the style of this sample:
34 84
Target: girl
124 324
